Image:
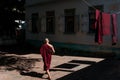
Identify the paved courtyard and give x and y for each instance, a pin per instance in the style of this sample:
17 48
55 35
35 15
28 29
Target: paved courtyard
63 67
60 67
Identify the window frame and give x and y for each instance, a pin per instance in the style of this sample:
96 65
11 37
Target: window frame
34 21
69 20
50 22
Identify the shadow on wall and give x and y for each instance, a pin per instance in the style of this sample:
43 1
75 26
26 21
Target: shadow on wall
73 52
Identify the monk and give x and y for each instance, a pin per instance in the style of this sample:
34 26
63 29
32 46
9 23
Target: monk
46 51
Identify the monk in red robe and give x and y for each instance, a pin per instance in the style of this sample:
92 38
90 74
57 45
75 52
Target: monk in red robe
46 51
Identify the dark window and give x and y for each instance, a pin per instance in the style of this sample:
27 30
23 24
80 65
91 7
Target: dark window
92 17
35 18
69 21
50 22
39 25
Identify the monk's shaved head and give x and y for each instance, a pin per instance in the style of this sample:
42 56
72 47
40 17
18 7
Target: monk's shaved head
46 40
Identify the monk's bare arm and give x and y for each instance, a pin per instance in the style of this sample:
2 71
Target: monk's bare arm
53 49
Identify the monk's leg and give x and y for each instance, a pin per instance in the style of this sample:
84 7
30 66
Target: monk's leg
49 76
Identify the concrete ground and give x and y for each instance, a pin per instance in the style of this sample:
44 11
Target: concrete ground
63 67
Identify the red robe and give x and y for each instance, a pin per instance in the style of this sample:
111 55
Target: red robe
46 52
106 23
102 26
98 26
114 29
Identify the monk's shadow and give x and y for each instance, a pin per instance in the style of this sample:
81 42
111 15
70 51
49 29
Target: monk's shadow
32 74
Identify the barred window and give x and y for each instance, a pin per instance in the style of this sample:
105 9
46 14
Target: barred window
35 18
69 21
50 22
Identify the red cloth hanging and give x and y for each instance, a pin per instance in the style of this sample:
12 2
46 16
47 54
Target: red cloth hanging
106 21
97 13
114 29
98 26
102 26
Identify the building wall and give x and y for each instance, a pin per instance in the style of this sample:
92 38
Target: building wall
34 2
81 36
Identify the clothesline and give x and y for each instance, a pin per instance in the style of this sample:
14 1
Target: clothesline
105 24
88 4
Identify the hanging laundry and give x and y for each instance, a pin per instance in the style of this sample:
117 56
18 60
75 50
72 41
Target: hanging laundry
98 26
106 21
105 25
96 18
114 29
102 26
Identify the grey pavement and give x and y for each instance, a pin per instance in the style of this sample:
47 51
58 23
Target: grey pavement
66 68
